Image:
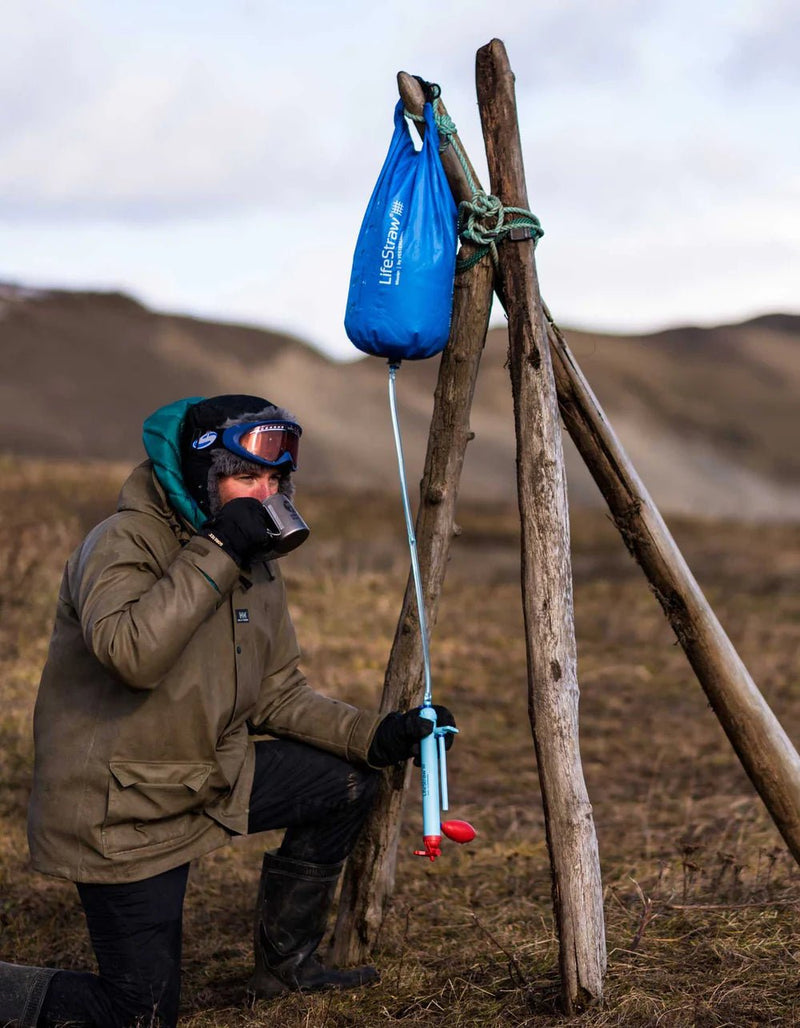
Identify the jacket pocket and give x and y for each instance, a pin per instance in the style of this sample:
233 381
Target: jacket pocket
151 803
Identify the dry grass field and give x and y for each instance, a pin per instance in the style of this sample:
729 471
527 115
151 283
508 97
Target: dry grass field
701 896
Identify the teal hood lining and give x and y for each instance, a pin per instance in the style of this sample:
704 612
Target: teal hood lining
161 435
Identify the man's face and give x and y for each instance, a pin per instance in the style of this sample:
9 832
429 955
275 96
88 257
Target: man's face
259 484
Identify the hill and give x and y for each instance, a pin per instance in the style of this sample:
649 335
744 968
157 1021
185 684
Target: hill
709 416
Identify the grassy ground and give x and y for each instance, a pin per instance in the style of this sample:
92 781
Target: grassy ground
701 896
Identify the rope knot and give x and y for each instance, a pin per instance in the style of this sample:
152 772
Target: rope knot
444 123
480 220
484 221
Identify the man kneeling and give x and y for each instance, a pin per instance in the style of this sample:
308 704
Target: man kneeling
172 715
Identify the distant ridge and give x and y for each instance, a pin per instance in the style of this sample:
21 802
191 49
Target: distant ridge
709 416
779 322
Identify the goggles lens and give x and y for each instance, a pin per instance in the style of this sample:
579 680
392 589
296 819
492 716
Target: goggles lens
270 442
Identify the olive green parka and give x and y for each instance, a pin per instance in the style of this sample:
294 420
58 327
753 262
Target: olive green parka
166 663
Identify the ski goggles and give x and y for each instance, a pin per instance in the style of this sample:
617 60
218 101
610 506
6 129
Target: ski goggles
274 443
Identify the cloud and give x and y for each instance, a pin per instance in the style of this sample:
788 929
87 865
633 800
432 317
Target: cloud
161 127
767 52
218 158
46 64
152 145
254 109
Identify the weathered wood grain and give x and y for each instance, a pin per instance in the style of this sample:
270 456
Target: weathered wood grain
546 564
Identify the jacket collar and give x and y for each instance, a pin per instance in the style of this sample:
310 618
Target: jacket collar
143 492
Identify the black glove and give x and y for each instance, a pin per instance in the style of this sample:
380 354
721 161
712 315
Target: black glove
241 529
398 736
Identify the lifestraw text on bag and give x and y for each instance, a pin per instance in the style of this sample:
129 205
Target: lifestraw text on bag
393 247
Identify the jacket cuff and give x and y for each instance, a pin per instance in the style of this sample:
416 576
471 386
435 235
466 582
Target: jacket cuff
361 736
211 561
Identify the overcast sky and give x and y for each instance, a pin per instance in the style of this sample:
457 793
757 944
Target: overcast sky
216 158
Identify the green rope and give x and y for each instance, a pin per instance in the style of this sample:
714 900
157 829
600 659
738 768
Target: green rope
484 220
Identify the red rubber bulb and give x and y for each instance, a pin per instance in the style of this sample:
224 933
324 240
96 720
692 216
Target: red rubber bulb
458 831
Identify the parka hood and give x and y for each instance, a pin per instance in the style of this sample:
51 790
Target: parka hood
161 438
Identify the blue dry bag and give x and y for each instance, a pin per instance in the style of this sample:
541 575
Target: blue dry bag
401 286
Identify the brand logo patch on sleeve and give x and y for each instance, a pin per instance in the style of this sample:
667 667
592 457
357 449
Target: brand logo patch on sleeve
242 615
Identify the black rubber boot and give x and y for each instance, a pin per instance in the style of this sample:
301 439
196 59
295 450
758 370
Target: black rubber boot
294 899
22 992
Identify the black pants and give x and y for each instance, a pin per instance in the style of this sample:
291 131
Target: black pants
135 927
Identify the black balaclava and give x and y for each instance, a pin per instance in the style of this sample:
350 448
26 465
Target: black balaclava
202 469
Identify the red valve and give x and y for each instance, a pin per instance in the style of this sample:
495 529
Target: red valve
432 847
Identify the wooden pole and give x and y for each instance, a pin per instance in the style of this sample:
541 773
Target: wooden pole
546 565
369 877
766 752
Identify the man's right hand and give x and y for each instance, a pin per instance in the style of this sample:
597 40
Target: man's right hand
241 529
398 736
